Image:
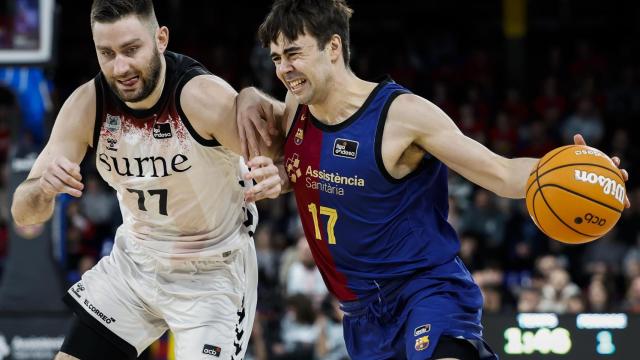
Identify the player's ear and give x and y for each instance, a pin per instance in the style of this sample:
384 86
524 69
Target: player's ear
335 47
162 38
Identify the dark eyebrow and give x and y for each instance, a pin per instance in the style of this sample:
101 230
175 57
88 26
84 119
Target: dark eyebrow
292 49
122 46
286 51
130 42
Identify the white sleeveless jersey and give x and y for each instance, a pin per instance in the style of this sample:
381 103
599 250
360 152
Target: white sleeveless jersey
181 196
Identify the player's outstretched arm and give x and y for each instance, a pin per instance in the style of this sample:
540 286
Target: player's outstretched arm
57 169
417 121
579 140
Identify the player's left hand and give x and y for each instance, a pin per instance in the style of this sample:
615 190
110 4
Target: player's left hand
255 116
267 177
579 140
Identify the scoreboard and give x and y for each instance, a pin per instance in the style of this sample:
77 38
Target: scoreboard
551 336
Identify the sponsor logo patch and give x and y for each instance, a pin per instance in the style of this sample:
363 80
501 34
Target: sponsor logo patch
211 350
112 144
345 148
420 330
422 343
102 316
293 168
162 131
77 289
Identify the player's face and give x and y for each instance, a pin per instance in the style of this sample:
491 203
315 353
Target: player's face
129 56
303 68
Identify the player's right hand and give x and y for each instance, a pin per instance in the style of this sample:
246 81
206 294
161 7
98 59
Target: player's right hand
61 176
579 140
254 113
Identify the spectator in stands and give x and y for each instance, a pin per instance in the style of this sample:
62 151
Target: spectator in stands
586 121
598 297
632 303
303 276
299 332
529 300
557 292
485 218
330 344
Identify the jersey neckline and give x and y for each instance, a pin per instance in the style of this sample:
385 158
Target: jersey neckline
337 127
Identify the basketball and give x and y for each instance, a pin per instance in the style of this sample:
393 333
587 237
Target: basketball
575 194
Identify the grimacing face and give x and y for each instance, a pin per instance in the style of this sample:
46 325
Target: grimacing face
304 69
128 56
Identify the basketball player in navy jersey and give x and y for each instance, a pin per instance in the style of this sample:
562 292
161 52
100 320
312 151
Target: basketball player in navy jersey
368 165
163 128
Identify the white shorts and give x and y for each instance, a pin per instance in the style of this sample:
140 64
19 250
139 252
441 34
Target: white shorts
208 304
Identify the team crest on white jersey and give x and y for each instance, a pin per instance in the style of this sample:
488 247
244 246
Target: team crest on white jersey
113 123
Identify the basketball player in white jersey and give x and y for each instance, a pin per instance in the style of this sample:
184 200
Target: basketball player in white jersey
163 129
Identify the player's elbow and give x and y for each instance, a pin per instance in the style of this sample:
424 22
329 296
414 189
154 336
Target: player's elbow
18 216
23 216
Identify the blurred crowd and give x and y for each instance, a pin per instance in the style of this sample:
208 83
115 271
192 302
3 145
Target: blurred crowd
580 86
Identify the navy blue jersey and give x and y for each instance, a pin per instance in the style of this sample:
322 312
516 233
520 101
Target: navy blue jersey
366 228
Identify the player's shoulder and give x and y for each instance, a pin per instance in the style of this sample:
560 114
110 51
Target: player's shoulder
78 111
82 100
407 106
208 88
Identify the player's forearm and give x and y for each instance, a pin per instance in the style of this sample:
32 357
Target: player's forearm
30 204
515 177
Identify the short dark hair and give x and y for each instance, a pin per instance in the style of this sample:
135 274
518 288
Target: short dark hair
318 18
110 11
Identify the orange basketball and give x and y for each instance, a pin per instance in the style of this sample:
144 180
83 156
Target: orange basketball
575 194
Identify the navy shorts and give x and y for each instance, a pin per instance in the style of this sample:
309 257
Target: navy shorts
407 321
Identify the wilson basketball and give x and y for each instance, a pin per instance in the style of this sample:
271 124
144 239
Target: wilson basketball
575 194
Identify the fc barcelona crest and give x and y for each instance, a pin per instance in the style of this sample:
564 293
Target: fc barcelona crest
422 343
299 136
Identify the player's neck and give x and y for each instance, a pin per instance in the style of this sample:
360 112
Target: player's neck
345 96
153 98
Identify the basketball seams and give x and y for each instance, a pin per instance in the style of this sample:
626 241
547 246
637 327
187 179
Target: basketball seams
539 165
560 189
582 196
562 149
557 216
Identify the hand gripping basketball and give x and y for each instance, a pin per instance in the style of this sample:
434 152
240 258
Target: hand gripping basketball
576 194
